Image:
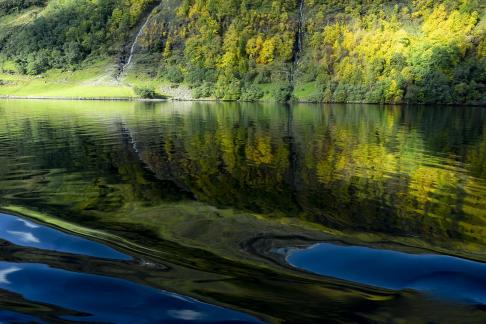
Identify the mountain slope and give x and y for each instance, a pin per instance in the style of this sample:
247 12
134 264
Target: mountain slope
412 51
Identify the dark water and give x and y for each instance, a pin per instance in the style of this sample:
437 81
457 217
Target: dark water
25 233
104 299
440 275
178 208
92 298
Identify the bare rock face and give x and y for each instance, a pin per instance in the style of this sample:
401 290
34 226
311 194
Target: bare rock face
177 92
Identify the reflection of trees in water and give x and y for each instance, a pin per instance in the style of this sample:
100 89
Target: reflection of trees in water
385 169
401 170
379 172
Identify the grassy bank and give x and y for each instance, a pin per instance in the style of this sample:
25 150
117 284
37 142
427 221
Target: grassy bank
94 81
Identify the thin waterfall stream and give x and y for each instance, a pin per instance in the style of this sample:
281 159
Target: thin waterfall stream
298 43
300 33
133 47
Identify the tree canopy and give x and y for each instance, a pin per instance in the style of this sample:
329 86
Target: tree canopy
410 51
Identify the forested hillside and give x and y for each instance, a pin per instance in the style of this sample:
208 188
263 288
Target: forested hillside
397 51
411 51
37 35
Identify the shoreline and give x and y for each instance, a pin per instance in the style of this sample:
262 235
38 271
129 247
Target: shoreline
168 99
84 98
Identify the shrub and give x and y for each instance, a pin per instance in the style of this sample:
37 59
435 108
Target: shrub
145 92
203 91
282 93
227 88
174 74
251 93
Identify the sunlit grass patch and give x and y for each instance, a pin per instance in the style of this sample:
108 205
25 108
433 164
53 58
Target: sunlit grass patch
306 91
93 81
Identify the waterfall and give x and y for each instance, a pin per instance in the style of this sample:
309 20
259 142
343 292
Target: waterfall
300 33
140 32
135 42
298 42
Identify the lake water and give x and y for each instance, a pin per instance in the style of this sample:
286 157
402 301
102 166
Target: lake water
145 212
440 275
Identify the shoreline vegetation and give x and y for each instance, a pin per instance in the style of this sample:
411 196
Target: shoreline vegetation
155 100
319 51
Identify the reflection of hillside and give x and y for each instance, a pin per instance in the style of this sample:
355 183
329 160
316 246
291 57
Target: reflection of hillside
375 169
136 171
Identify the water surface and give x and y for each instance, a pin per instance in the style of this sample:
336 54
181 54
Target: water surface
185 191
440 275
92 298
105 299
23 232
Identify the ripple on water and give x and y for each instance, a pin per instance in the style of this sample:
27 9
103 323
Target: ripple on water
439 275
26 233
96 298
105 299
